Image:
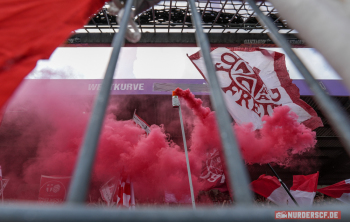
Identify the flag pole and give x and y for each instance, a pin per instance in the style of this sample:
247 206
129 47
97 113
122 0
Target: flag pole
176 104
284 185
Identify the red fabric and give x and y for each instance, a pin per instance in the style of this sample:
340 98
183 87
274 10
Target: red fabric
32 30
1 116
265 185
336 190
306 183
53 189
0 176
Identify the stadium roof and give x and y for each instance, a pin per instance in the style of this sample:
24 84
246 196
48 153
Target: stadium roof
225 21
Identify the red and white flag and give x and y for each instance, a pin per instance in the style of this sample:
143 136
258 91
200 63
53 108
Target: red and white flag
270 188
213 173
4 183
53 189
139 121
304 188
340 191
255 81
124 195
107 191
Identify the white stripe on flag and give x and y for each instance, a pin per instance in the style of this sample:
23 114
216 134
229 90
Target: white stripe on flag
141 123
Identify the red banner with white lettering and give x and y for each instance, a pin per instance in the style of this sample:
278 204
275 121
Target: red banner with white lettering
254 81
53 189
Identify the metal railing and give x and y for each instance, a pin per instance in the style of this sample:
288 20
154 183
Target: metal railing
74 210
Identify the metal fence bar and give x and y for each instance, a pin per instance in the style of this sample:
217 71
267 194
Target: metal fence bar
169 15
237 172
82 174
185 17
218 16
331 109
25 213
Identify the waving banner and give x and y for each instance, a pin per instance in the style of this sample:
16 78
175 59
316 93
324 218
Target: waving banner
254 81
53 189
107 190
213 172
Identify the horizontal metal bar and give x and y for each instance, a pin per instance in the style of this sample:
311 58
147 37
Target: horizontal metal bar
331 109
174 38
82 174
250 26
41 213
237 172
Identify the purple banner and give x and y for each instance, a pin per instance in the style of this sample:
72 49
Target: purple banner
155 86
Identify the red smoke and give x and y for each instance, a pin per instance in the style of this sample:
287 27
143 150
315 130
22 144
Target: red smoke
277 141
46 142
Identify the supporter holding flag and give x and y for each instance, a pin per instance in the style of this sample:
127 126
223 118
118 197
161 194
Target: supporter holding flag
340 191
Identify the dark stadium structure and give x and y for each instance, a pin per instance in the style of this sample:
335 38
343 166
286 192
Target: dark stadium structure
225 22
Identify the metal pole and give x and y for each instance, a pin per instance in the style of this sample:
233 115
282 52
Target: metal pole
82 174
187 160
284 185
237 172
331 109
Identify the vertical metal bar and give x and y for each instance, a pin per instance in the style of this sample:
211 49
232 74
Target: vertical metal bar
187 160
252 14
229 23
218 16
237 173
205 8
338 118
154 19
105 14
140 26
185 17
169 15
82 174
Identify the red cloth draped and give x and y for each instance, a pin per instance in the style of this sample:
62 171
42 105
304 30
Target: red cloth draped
32 30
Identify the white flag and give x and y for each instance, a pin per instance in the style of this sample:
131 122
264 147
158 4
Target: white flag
254 81
4 183
107 190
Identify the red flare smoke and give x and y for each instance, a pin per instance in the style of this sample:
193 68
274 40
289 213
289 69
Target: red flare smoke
280 137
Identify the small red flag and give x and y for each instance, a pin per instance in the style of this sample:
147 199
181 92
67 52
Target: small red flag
53 189
340 191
